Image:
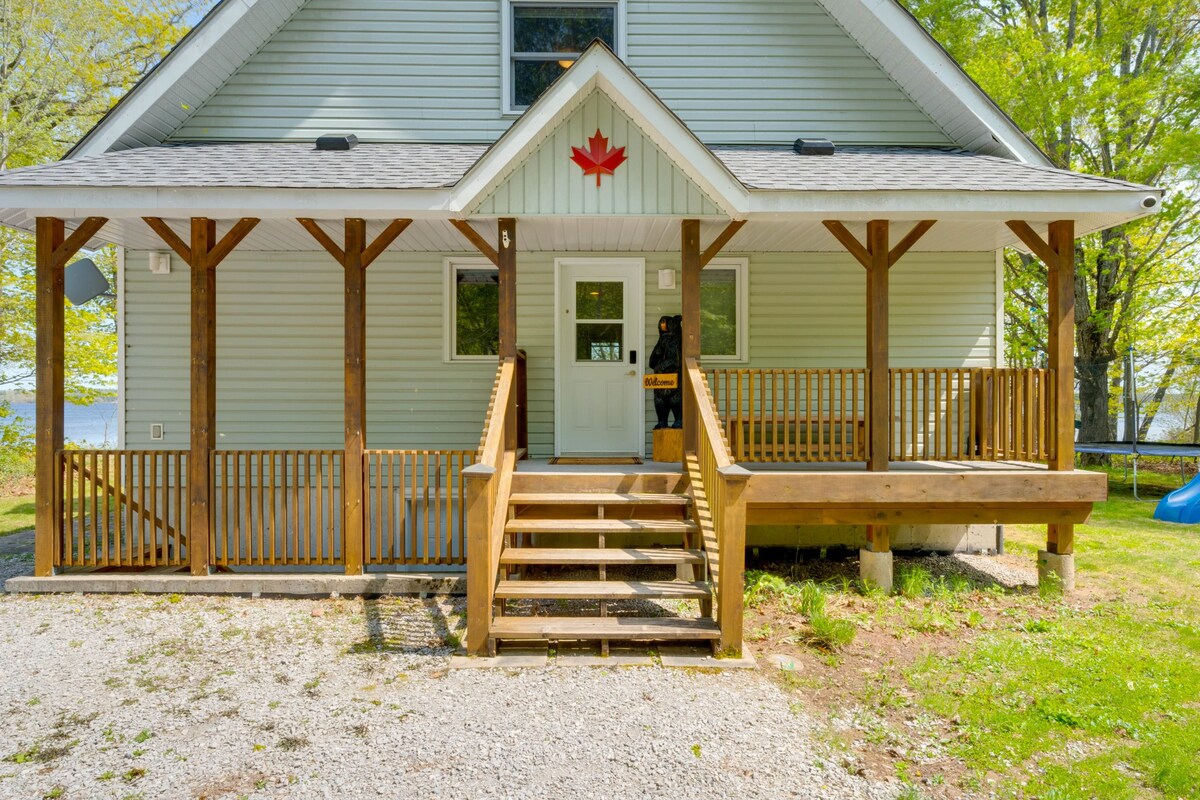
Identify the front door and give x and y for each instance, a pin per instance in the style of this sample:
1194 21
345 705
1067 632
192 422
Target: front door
599 402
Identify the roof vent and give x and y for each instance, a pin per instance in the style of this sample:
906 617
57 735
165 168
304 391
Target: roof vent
814 147
337 141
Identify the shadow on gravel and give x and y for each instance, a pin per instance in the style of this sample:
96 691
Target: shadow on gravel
410 626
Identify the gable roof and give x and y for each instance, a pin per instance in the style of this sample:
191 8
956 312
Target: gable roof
599 69
237 29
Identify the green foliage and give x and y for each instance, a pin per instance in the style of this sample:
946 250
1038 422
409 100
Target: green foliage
16 446
62 65
804 598
1107 87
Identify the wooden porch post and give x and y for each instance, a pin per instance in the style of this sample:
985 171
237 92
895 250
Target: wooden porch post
49 412
355 282
733 560
690 277
1058 254
878 257
506 264
202 255
203 391
354 257
53 251
878 401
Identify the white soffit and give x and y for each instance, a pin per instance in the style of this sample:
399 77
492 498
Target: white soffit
936 83
599 68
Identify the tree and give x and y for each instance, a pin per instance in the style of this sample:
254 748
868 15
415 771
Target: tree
63 63
1112 88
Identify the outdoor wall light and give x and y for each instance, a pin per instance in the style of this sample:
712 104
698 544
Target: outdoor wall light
666 279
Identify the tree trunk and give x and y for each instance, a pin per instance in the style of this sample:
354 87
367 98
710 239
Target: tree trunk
1094 343
1155 403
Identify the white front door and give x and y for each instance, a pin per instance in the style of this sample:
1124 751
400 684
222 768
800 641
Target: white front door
599 402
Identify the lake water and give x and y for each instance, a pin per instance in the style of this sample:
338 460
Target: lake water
94 425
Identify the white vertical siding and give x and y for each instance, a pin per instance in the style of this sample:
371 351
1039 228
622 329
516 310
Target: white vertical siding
748 71
279 339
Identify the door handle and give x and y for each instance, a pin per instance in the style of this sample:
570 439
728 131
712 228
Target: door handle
632 373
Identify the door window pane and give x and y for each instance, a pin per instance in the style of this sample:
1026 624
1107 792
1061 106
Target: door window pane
599 300
599 341
476 312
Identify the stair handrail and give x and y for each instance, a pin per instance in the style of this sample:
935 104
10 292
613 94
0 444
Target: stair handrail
488 482
723 529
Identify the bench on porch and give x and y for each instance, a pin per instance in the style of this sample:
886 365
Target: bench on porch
790 436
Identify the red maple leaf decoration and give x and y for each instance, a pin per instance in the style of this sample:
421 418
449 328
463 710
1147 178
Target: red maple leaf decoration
598 159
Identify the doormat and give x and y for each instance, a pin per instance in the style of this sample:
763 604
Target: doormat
596 460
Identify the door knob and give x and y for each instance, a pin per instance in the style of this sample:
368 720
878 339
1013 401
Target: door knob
632 373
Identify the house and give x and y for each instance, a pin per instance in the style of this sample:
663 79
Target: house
383 261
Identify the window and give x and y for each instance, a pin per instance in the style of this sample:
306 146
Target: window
723 319
543 39
472 310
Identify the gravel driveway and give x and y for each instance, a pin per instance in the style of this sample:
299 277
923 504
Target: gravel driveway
196 697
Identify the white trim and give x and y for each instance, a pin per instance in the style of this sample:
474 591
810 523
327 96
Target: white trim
639 335
120 303
947 205
450 309
999 335
599 68
115 202
620 31
741 268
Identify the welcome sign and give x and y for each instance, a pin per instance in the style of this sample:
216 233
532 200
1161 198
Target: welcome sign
667 381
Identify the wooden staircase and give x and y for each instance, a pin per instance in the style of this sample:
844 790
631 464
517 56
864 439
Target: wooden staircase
560 545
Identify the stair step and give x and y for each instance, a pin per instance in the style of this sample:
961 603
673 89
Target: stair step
617 628
600 590
598 499
594 556
676 526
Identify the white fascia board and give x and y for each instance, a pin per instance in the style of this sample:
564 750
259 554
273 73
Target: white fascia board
227 202
188 55
598 68
910 205
892 24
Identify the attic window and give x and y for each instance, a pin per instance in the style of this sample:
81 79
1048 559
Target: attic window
543 39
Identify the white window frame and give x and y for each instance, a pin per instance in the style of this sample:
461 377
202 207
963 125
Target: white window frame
506 33
741 268
449 329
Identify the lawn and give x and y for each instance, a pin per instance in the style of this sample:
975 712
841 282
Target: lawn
957 686
16 514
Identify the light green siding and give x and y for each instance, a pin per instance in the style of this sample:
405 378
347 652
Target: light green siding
549 182
279 338
747 71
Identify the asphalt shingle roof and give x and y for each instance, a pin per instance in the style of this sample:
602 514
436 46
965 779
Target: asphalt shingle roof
432 166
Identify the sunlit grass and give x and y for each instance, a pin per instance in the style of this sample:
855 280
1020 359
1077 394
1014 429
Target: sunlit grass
16 514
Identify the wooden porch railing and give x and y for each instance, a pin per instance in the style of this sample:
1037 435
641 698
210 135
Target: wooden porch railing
276 508
718 486
972 414
121 508
415 506
792 415
489 484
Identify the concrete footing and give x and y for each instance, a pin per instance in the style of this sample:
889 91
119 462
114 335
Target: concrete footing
876 568
307 585
1062 567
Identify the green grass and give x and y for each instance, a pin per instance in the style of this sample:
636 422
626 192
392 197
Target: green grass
16 514
1089 699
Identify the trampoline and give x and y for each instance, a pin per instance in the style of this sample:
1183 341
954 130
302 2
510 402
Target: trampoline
1135 450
